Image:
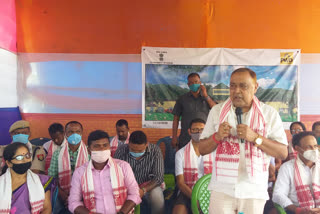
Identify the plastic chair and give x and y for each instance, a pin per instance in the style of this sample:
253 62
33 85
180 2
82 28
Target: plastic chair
137 209
169 156
279 209
201 194
169 173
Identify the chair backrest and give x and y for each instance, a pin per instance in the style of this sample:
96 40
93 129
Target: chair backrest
39 141
201 194
169 157
279 209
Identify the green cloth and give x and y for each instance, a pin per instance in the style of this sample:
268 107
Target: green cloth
54 164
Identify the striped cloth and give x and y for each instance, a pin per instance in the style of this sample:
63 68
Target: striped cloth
35 188
53 147
304 193
228 151
149 167
115 142
117 183
64 166
190 169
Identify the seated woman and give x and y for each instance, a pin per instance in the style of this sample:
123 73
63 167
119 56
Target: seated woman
22 191
295 128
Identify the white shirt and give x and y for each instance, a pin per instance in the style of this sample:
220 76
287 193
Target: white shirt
46 145
243 188
284 192
179 162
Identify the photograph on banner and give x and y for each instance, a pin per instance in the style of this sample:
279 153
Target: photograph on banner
165 83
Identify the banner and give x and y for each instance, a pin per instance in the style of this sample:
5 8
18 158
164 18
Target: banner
165 71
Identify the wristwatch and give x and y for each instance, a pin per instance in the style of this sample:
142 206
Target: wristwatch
258 140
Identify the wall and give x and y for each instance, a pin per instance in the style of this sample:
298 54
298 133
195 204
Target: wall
83 31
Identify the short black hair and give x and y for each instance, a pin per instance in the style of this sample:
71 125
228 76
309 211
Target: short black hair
122 122
138 137
55 127
10 151
73 122
299 123
196 120
97 135
193 75
297 138
315 124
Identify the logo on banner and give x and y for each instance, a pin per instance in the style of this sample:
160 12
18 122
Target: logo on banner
286 58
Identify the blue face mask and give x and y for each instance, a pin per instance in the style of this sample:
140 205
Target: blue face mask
318 140
74 139
21 138
194 87
136 154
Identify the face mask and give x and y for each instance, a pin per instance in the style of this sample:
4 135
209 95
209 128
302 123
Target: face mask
194 87
136 154
196 137
100 156
74 139
21 138
318 140
21 168
311 155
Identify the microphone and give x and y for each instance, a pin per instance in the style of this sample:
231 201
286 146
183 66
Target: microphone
239 113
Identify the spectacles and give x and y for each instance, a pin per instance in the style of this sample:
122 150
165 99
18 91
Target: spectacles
295 131
197 130
21 157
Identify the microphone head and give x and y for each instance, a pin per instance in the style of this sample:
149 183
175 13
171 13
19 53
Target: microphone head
238 111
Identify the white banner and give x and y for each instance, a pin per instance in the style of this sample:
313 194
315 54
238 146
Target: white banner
165 71
8 80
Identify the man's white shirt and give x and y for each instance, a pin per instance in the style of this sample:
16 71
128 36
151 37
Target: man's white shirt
284 192
243 188
179 162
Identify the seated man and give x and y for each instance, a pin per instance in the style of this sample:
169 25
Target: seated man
20 132
122 136
316 131
56 132
65 160
147 164
297 188
190 166
110 182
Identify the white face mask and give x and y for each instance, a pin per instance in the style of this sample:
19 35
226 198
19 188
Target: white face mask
311 155
100 156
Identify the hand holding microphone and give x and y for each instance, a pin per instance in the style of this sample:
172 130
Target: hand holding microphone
244 131
239 113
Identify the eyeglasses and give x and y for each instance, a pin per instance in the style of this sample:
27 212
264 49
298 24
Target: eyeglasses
296 131
197 130
21 157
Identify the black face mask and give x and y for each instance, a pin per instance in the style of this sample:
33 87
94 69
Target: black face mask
21 168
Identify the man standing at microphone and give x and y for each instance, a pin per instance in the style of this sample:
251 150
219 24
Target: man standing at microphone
242 148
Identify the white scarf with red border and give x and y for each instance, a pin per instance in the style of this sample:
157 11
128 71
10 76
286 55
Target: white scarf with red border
304 194
52 148
64 166
35 188
114 143
117 183
228 151
190 168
